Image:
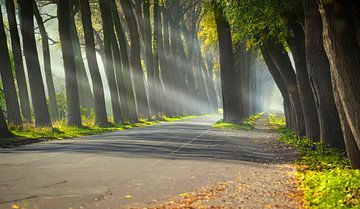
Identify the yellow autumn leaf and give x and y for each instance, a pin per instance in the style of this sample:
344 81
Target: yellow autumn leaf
184 195
128 196
15 206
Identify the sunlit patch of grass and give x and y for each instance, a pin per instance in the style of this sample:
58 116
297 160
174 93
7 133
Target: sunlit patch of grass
61 130
247 124
276 121
167 119
324 173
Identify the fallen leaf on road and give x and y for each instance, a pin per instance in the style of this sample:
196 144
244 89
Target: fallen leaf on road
128 196
15 206
184 195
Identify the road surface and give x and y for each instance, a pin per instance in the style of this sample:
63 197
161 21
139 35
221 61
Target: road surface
140 166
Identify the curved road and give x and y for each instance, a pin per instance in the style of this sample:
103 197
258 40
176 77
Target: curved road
136 166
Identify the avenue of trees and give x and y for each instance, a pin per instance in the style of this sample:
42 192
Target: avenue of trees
156 57
321 87
184 57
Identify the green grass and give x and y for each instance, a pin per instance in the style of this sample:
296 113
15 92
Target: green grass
247 124
61 130
324 173
164 118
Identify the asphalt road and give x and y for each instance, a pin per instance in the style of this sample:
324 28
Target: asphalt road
132 167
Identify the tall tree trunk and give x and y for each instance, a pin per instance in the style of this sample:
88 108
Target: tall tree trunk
85 96
296 42
149 57
4 131
212 91
319 74
98 88
129 113
47 64
138 7
12 104
110 73
283 64
166 73
352 148
280 83
201 79
240 59
119 77
67 48
176 47
18 61
42 116
343 52
135 61
190 65
230 102
158 51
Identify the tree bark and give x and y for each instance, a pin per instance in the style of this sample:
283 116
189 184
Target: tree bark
47 64
280 83
109 62
67 48
176 47
98 88
151 60
18 61
119 77
130 111
201 81
166 73
135 61
283 64
296 42
4 131
158 54
212 91
319 74
343 52
352 148
231 104
42 116
85 96
12 104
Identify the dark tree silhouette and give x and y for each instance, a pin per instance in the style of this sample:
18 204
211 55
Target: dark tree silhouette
47 64
67 48
41 112
18 62
98 89
135 60
12 104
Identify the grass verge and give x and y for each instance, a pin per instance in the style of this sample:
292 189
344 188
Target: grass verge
247 124
28 134
324 173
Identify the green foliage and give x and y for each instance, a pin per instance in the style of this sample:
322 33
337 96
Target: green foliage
276 121
167 119
257 20
61 104
324 173
247 124
208 32
2 97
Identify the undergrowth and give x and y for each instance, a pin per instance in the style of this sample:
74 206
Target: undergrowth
247 124
324 173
